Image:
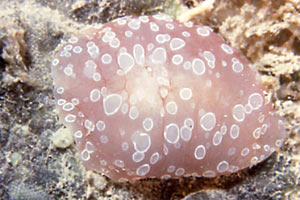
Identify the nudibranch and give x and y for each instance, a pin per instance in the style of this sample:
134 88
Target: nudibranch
150 97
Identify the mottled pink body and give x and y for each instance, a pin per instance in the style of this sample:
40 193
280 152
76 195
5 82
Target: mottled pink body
151 97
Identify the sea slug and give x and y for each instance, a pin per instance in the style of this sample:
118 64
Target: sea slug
150 97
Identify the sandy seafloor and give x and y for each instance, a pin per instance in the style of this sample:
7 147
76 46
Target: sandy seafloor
33 167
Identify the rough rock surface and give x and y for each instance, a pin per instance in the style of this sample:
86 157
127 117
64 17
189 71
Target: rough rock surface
31 166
